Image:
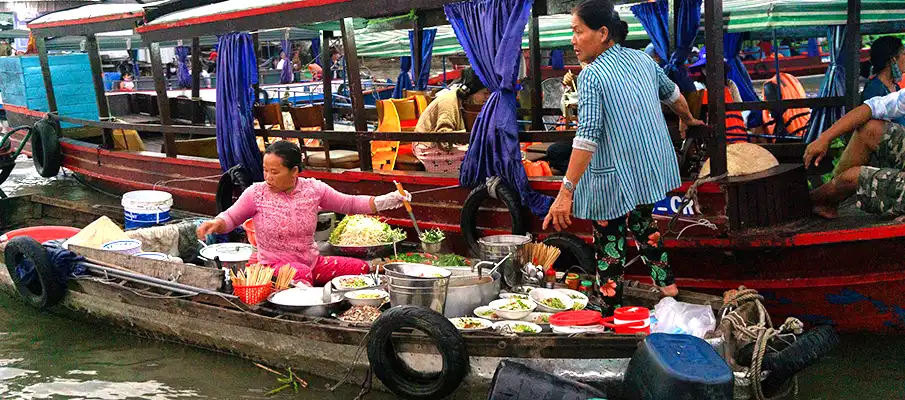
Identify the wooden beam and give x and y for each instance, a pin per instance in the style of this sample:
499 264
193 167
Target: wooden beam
787 104
354 76
853 54
716 110
326 66
198 114
45 72
257 45
537 119
100 94
672 32
417 41
163 102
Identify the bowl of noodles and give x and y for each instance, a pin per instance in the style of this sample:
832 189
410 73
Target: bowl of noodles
364 236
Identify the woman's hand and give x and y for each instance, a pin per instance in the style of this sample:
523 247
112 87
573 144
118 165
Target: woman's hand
816 151
209 227
390 201
560 212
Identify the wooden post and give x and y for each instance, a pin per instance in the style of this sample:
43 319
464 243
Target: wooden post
163 102
257 44
326 66
100 95
358 106
853 56
537 119
716 109
417 40
671 27
45 71
197 114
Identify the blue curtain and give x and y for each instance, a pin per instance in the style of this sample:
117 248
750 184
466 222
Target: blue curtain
732 46
490 32
182 67
315 49
557 59
427 52
813 48
133 54
404 81
833 85
286 74
654 18
237 71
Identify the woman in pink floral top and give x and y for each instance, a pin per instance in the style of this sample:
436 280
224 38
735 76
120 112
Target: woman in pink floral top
284 209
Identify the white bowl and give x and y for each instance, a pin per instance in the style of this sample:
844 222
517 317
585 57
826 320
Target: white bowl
125 246
540 318
485 324
487 313
515 295
373 302
539 295
340 282
578 298
512 314
509 326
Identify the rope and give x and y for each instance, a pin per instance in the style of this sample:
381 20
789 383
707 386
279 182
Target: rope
492 183
692 195
165 182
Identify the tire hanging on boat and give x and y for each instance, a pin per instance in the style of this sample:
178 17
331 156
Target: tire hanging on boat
573 251
7 162
787 362
45 148
469 219
44 289
231 185
396 375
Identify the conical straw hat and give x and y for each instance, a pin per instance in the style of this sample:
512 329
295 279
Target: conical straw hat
744 159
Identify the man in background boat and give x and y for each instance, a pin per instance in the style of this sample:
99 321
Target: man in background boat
5 49
625 146
878 185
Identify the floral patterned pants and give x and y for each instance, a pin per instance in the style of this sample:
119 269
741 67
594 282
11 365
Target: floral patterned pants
610 246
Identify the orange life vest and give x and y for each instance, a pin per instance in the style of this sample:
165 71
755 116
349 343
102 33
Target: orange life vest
796 119
735 122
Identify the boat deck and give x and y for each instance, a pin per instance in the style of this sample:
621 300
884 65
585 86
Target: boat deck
850 218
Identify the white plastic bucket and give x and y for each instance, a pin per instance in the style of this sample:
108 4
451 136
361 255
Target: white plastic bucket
143 208
125 246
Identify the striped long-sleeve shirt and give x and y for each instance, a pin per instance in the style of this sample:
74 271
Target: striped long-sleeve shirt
620 120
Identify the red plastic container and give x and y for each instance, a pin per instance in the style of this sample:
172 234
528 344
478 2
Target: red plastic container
575 318
252 295
629 320
42 233
249 226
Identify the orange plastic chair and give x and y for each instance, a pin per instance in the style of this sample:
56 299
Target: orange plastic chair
395 115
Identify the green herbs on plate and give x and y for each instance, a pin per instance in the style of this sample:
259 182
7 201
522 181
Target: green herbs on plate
432 236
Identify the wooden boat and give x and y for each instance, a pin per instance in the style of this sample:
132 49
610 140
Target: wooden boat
754 229
320 346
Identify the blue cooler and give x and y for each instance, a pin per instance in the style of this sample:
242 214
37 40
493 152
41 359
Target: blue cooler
677 367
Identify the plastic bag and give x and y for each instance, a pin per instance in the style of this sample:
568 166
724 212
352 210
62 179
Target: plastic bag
683 318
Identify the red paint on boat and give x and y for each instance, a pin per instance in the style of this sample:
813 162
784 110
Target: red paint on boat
240 14
83 21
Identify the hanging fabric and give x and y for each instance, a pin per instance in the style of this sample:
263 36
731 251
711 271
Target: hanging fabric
182 67
490 32
133 54
557 59
833 85
404 81
427 52
813 48
286 73
315 49
654 18
732 46
237 71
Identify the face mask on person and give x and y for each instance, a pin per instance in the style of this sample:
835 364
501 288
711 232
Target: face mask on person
895 71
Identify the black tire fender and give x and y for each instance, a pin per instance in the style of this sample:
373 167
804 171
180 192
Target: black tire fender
574 251
802 353
231 185
45 148
46 290
469 218
396 375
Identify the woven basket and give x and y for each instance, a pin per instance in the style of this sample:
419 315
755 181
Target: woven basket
252 295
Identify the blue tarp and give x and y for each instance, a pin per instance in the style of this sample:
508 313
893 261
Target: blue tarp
64 263
237 71
404 81
490 32
557 59
315 49
654 18
732 45
182 68
427 52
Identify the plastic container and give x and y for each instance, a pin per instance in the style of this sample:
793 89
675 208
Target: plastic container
125 246
514 381
144 208
677 367
252 295
629 320
573 281
249 227
586 288
42 233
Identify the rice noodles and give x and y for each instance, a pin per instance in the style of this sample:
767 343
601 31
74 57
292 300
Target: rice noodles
362 230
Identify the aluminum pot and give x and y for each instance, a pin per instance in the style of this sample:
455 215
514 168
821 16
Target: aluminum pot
417 285
336 306
232 256
467 291
495 248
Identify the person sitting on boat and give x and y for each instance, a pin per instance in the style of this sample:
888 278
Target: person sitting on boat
871 166
127 84
444 115
887 60
625 147
284 209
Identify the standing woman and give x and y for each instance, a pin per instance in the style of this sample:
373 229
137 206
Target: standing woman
624 145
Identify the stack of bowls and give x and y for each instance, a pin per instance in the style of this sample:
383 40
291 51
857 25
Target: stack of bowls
418 285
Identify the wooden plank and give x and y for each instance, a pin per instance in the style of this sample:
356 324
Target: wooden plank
786 104
100 94
326 66
187 274
163 103
853 51
197 106
353 74
45 72
713 19
537 122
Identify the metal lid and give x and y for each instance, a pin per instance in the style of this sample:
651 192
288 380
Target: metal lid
229 252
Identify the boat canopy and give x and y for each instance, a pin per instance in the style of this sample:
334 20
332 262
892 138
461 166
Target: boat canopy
122 40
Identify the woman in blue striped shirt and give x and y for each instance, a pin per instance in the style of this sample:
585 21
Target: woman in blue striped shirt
623 143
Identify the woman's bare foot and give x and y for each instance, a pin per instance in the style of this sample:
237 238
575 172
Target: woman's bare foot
826 211
670 291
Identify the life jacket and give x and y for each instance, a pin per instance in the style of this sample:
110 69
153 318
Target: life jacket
736 130
795 119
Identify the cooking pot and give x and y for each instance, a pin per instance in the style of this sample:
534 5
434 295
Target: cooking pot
232 256
337 303
467 291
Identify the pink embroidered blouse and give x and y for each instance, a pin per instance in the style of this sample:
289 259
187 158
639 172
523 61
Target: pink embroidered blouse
285 222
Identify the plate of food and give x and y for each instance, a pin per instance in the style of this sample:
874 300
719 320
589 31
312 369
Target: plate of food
579 300
514 296
487 313
550 300
540 318
346 283
469 324
364 236
360 315
367 297
517 327
512 308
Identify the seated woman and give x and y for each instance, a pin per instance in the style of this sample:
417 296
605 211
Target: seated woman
444 115
127 84
284 209
887 59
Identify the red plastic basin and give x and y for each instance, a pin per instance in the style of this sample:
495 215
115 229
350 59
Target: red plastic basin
42 233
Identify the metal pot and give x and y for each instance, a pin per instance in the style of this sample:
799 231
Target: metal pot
467 291
337 305
495 248
417 285
232 256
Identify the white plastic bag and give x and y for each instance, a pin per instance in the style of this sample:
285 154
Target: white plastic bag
682 318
